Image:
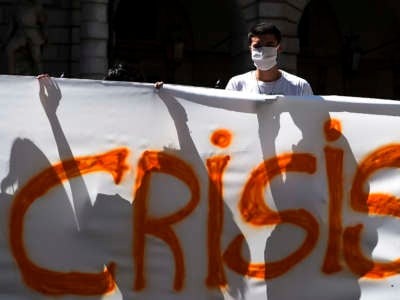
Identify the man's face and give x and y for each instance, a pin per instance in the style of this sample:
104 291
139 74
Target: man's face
264 40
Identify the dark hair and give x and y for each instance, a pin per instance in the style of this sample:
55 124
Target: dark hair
117 73
264 28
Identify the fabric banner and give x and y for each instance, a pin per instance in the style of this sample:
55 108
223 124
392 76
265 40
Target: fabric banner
117 190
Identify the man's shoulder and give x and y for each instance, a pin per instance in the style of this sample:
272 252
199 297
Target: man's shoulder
239 82
296 85
242 76
293 78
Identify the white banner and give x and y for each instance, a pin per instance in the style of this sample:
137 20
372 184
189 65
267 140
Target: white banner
114 190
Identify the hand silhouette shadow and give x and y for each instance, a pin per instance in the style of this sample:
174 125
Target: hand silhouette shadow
49 94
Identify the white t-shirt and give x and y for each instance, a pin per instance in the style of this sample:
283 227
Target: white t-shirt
288 84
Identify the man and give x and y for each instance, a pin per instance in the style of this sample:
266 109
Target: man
264 40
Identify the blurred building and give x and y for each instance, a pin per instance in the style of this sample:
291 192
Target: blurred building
341 47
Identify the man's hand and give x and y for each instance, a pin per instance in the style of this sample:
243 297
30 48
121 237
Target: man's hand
158 85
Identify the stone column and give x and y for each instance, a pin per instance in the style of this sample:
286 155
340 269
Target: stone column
93 39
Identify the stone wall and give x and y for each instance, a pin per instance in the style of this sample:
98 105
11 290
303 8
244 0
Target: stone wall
93 38
62 30
57 54
5 11
77 37
78 34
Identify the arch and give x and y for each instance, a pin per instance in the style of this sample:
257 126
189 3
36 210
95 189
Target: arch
145 37
176 41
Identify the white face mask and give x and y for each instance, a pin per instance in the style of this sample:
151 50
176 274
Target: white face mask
264 58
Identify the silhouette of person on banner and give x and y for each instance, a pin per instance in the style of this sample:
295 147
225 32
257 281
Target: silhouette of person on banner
308 180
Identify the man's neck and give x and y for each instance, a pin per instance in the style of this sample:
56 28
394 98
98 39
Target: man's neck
269 75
